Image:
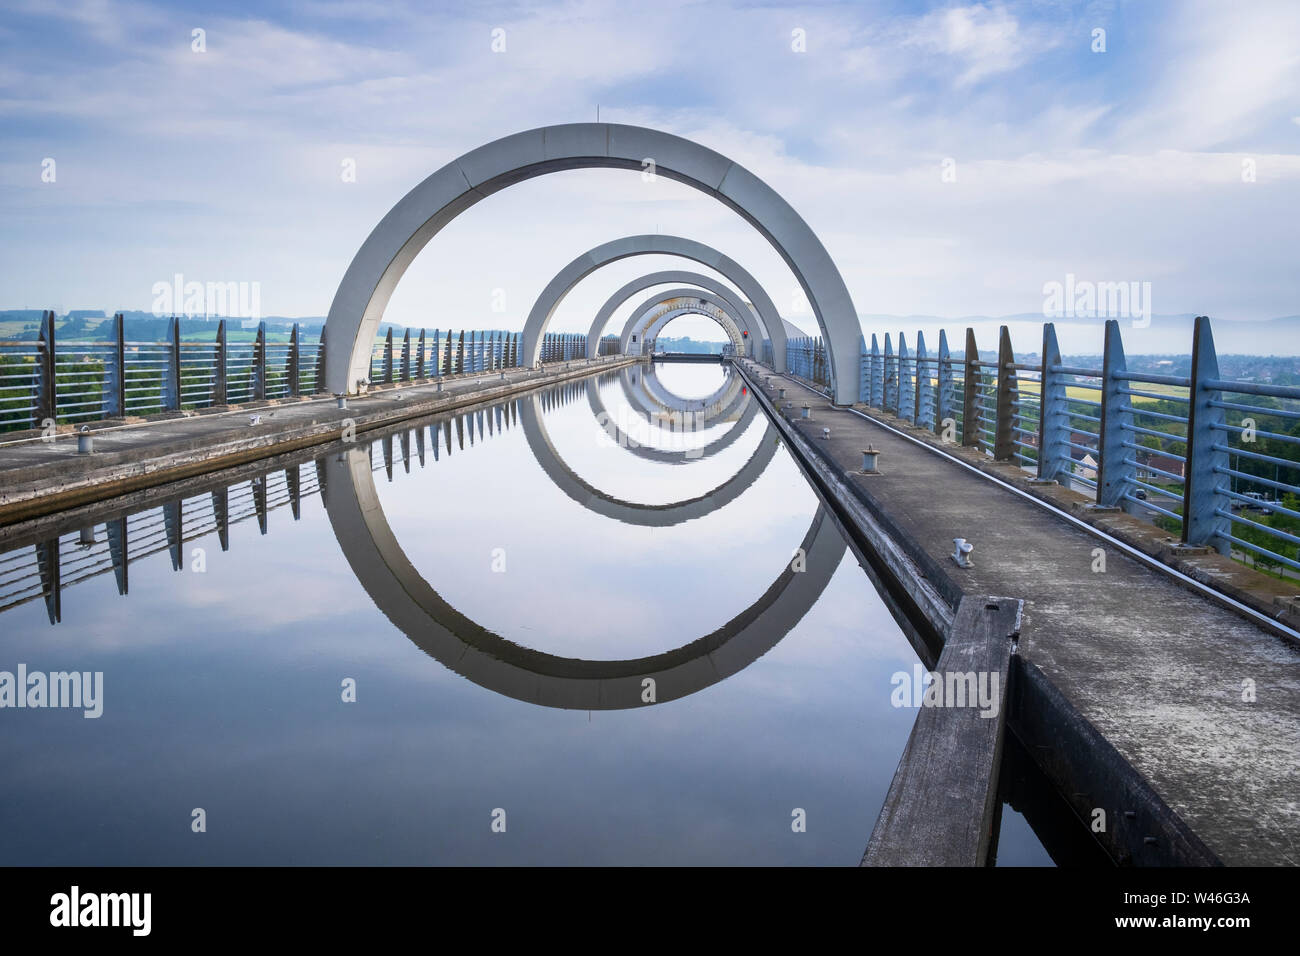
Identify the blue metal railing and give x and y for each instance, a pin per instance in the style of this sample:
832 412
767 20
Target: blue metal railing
1215 461
45 382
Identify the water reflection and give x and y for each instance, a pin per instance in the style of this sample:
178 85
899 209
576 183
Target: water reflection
222 688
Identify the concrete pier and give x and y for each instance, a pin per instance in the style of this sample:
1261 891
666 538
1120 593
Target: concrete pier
39 476
1169 722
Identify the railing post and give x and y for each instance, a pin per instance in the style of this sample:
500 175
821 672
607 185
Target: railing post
294 365
115 386
388 357
877 375
219 366
1114 475
259 364
446 356
1054 458
864 371
460 353
887 384
943 410
406 356
970 410
918 400
419 356
906 391
1004 435
320 362
171 384
1208 460
46 397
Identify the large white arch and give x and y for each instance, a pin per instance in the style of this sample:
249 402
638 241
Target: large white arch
653 279
394 243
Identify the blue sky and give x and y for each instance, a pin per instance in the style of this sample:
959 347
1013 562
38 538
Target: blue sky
225 165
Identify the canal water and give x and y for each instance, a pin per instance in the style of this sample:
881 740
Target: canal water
565 629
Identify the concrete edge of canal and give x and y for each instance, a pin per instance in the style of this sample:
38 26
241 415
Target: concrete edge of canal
1085 768
39 477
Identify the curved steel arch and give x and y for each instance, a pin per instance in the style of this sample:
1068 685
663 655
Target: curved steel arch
666 277
510 669
639 320
650 331
394 243
560 286
707 309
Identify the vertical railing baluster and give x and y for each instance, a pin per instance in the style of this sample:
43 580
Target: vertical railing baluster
1008 417
46 392
406 356
419 357
388 357
320 362
259 364
117 373
906 391
922 374
295 364
1054 458
970 410
1208 460
1114 474
943 387
219 358
171 383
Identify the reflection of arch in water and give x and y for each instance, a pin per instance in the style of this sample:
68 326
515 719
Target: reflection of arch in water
606 311
660 394
635 513
683 300
513 670
644 391
748 406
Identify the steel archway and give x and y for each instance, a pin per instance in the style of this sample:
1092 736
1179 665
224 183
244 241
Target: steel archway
394 243
667 277
560 286
639 320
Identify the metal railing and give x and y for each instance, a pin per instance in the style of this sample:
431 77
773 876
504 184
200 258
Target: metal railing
46 382
1215 461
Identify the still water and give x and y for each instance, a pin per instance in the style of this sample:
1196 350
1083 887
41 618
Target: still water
449 663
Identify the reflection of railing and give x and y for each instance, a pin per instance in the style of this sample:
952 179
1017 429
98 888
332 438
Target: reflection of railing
44 570
45 380
1212 460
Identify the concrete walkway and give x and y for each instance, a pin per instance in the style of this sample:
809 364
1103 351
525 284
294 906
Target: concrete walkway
1201 703
39 476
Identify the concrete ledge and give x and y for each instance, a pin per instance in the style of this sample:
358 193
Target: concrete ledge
39 477
1261 592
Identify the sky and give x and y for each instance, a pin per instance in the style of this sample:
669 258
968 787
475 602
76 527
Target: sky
953 158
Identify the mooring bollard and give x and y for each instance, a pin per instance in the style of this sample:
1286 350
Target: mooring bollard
962 548
85 441
780 392
342 399
87 536
826 433
870 460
